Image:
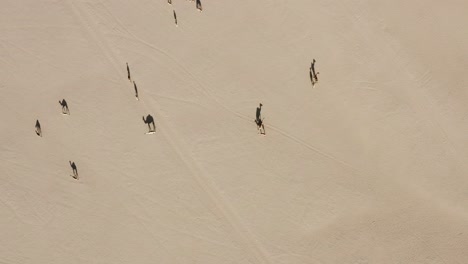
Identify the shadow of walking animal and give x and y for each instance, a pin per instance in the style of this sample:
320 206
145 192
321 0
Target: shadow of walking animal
38 128
128 73
259 119
64 105
136 90
313 75
260 126
75 170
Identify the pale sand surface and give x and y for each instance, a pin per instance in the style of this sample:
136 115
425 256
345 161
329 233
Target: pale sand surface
368 166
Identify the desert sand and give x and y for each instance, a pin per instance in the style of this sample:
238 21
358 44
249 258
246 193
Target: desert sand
369 165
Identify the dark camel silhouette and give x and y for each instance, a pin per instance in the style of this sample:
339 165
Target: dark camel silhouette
38 128
149 120
313 75
259 120
64 105
257 113
313 79
75 170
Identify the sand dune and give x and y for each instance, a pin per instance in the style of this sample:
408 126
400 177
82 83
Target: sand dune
366 166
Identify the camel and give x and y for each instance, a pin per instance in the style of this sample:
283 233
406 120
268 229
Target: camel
64 105
75 170
149 120
38 128
313 75
259 120
199 6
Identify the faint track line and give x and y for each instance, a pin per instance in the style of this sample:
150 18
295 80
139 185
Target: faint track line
422 79
322 153
223 210
214 98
